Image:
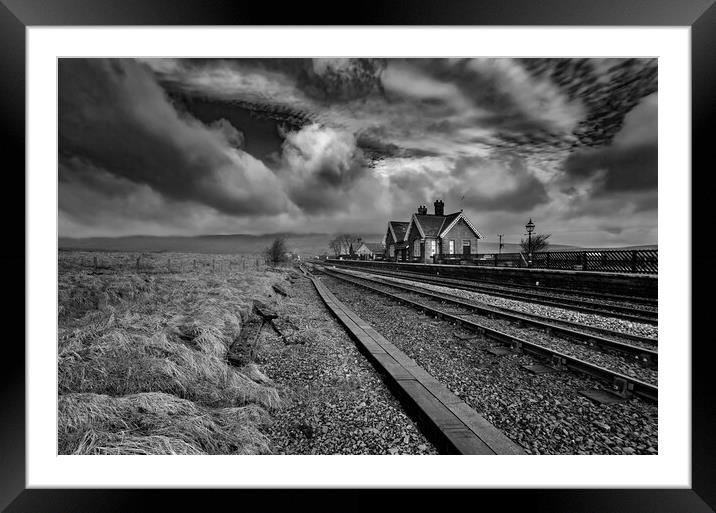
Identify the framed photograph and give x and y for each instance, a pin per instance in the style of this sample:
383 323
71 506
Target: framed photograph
408 256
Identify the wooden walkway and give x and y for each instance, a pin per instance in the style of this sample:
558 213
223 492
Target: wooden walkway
453 426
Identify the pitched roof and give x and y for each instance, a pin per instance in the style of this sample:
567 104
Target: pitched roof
436 226
375 247
449 219
454 218
398 228
430 224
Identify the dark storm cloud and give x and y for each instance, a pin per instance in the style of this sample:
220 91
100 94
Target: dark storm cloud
412 187
646 202
628 167
487 186
337 80
327 80
336 144
261 137
609 89
113 115
615 168
614 230
376 149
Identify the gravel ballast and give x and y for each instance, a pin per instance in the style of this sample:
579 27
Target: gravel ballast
336 402
624 364
585 319
544 413
547 293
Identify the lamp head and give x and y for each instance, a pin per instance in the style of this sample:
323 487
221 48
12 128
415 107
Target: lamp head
530 226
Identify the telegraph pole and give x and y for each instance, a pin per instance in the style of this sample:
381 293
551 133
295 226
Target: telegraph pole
499 249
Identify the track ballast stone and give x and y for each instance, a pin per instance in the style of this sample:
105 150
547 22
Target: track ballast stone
543 413
586 319
337 403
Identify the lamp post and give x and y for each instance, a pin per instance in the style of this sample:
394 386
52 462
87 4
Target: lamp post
530 226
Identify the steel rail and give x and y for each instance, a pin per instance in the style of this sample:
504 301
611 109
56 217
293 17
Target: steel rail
622 384
649 301
617 311
578 326
644 354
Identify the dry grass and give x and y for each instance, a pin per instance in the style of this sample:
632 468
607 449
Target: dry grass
142 360
156 423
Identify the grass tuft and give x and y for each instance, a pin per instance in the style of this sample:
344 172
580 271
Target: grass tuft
156 423
142 360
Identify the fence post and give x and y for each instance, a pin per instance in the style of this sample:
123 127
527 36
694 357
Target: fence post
633 261
584 260
95 263
213 265
195 264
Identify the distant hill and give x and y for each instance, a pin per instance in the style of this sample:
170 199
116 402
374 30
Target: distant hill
642 247
513 247
304 244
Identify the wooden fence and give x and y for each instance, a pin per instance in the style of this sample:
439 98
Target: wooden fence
157 264
612 260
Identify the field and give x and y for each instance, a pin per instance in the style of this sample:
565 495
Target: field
306 245
142 347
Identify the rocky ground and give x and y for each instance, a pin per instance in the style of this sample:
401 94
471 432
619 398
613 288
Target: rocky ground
336 403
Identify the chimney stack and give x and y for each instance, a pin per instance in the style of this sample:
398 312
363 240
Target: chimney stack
439 208
422 210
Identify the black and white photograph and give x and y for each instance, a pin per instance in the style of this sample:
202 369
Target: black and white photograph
383 256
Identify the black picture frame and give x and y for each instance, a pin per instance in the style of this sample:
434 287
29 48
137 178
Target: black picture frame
17 15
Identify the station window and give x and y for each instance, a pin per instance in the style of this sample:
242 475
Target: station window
430 248
451 247
416 248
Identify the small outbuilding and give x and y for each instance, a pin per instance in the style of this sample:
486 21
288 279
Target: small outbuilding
370 250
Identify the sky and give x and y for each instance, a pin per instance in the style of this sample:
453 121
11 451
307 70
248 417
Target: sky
253 146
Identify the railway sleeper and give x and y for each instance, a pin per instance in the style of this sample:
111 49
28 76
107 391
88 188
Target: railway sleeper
623 388
647 360
558 362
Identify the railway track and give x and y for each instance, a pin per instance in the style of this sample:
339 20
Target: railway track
451 424
648 342
603 296
619 311
598 337
621 383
